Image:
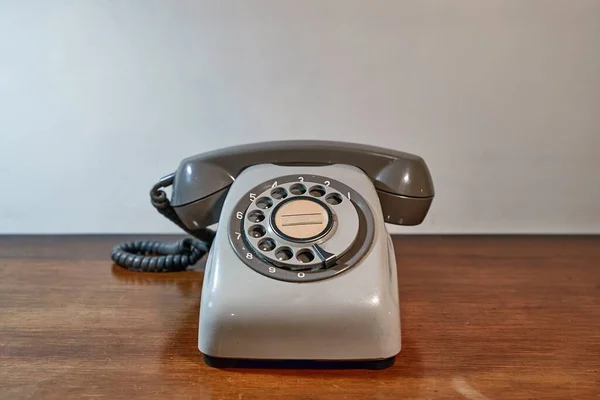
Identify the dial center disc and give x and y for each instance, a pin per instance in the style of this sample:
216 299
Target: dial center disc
301 219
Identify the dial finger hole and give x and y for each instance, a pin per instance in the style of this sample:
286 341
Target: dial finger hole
256 216
284 253
264 203
279 193
257 231
297 189
317 191
267 244
305 256
334 199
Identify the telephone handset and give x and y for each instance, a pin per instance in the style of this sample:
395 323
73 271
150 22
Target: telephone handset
301 266
402 180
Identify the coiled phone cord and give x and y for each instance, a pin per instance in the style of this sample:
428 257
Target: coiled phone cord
154 256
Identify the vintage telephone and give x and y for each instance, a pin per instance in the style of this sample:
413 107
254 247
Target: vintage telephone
301 266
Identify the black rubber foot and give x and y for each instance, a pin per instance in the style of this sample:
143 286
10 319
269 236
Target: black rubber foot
223 363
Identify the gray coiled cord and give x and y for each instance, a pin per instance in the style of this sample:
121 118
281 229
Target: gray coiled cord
152 256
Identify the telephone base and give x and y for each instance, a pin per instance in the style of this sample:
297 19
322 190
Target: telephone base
224 363
352 315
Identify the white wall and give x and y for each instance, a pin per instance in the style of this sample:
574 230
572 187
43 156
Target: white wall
100 98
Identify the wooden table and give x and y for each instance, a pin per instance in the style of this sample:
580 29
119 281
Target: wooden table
483 318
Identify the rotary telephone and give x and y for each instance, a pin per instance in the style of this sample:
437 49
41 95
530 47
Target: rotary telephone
301 267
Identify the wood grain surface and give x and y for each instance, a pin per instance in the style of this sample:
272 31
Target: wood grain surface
482 318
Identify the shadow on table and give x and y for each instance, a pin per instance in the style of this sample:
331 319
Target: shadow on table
188 282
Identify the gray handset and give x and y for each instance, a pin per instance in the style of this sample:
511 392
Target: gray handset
402 180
